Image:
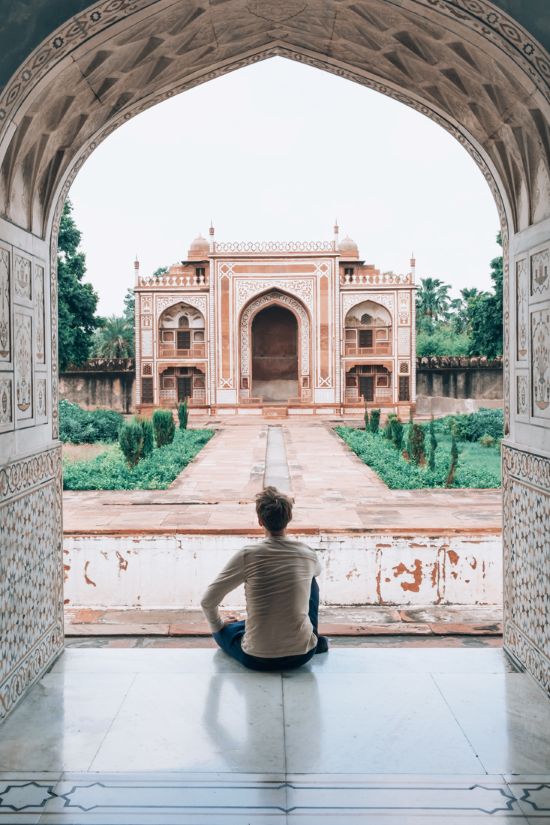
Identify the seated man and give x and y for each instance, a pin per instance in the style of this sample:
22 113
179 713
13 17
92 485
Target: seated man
282 596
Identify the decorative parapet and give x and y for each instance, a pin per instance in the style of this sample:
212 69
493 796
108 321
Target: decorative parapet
376 279
273 247
445 362
103 365
174 280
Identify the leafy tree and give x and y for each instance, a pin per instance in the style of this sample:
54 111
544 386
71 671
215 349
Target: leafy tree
397 432
130 439
161 270
461 309
366 417
442 341
486 314
77 302
432 303
453 462
114 339
416 440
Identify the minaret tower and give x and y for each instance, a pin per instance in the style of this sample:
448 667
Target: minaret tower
136 271
211 234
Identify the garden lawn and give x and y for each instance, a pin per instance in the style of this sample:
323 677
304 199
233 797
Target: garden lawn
478 466
109 470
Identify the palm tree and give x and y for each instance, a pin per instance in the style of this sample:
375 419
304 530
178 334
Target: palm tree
461 308
114 339
432 302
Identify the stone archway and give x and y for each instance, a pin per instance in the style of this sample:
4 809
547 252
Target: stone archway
464 63
275 354
274 298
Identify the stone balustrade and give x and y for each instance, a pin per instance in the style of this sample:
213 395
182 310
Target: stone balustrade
375 279
174 280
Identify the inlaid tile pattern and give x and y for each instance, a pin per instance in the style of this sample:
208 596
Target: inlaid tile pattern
31 620
5 307
211 743
526 559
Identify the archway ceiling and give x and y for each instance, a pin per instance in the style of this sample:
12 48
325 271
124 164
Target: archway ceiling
98 72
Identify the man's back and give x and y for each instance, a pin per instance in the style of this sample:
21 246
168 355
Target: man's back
277 575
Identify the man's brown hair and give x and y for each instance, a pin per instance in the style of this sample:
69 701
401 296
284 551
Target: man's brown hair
274 509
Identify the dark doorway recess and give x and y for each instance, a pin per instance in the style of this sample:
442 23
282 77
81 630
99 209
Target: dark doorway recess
275 354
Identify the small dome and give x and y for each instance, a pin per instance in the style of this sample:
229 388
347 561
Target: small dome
199 249
348 248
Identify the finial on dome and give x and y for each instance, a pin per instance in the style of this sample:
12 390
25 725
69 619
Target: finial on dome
136 269
211 230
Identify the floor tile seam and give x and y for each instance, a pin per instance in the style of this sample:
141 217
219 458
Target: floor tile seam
451 711
114 718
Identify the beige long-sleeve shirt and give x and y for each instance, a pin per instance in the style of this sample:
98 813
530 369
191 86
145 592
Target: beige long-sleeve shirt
277 576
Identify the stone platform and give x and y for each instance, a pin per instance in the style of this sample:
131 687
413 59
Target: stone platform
188 737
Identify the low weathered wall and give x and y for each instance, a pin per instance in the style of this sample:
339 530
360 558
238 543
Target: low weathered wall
173 571
102 384
451 385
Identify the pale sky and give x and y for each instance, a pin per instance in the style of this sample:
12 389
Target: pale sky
277 151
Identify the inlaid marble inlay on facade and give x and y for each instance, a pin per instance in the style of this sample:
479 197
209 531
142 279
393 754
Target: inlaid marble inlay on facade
22 280
404 313
403 341
540 344
527 561
522 310
540 278
302 288
39 338
6 403
30 585
350 299
5 311
41 396
23 365
523 395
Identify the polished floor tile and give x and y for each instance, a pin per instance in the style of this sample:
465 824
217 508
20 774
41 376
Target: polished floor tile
411 660
62 722
227 722
372 724
505 716
143 660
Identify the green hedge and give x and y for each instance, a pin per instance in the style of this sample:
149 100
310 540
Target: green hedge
478 466
109 471
79 426
472 426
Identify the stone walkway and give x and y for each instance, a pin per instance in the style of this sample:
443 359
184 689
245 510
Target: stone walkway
333 489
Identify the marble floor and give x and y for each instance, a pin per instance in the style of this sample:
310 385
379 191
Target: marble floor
187 737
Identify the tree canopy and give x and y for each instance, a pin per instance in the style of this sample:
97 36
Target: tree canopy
77 302
468 325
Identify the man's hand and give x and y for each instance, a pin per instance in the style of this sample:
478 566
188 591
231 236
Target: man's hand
230 619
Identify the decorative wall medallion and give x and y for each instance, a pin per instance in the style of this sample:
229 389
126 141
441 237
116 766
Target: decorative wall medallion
22 280
523 395
5 316
146 321
276 12
146 304
540 348
404 367
39 338
522 317
404 307
540 280
302 288
6 415
41 406
259 303
23 365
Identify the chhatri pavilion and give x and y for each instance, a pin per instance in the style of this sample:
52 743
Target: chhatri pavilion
308 327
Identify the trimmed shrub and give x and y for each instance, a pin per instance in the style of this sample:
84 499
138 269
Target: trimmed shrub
79 426
473 426
397 433
388 431
487 440
183 415
416 445
449 481
366 417
374 421
148 437
164 427
130 439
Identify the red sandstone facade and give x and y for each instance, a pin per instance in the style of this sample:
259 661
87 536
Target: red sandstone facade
308 327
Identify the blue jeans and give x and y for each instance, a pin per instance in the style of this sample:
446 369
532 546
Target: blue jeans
230 637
